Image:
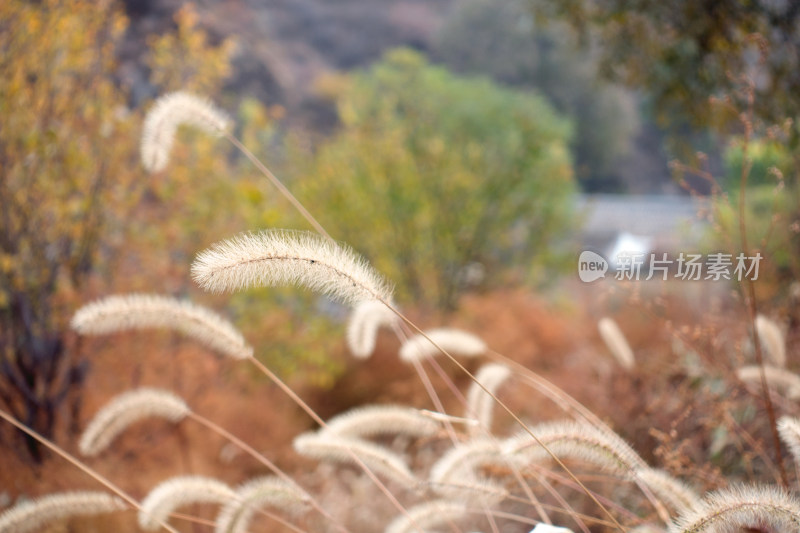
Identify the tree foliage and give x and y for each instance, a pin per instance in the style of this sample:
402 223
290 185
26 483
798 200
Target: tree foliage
69 178
504 42
433 175
684 52
66 169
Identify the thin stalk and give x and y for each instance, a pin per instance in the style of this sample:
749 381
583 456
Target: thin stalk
316 418
517 475
193 519
567 508
261 459
423 376
211 523
278 184
402 335
568 403
516 419
749 291
79 464
546 472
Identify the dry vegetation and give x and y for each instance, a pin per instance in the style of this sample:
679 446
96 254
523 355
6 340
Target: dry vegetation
681 408
665 382
651 427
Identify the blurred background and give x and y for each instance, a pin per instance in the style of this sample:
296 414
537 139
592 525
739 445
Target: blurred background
470 149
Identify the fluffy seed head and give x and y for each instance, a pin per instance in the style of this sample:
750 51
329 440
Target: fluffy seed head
374 420
461 461
126 409
648 528
780 379
426 516
547 528
34 514
578 441
789 429
771 337
177 492
167 114
445 418
479 403
235 516
365 321
474 491
671 491
454 341
342 449
760 508
143 311
616 342
284 257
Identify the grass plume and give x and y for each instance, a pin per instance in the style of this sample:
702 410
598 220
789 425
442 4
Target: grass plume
578 441
285 257
479 403
341 450
167 114
426 516
783 381
454 341
375 420
768 509
789 429
461 460
236 515
771 336
362 327
616 342
32 515
679 496
126 409
144 311
177 492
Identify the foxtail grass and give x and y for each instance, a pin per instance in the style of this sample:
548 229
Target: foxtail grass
167 114
771 336
236 515
765 508
284 257
372 420
427 516
180 491
451 340
783 381
380 460
479 403
34 514
146 311
616 342
362 327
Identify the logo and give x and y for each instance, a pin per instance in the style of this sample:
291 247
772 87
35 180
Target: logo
591 266
640 266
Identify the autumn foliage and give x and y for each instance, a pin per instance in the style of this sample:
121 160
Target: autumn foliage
70 179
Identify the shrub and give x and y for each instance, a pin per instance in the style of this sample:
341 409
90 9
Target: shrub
434 175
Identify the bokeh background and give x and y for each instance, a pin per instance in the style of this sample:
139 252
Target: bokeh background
470 149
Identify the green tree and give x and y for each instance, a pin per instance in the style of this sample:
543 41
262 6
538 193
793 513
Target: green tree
432 174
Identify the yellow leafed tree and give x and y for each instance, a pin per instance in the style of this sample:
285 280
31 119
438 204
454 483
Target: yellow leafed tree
69 176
